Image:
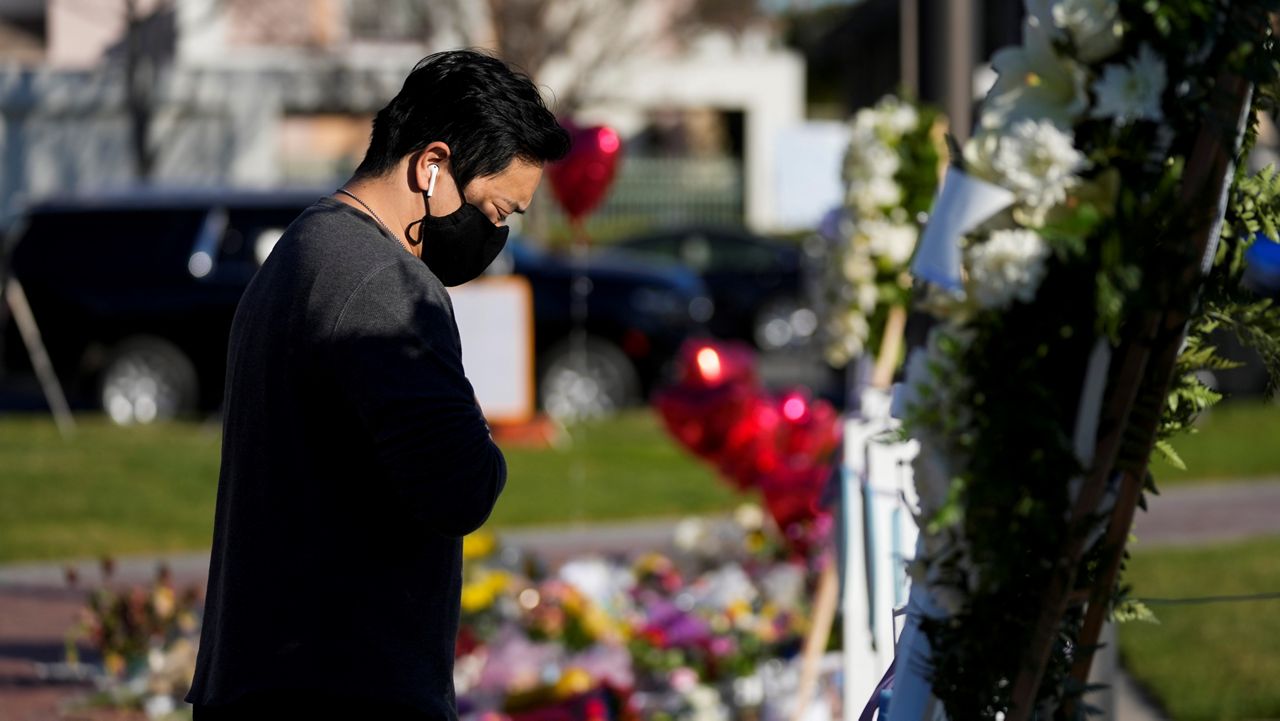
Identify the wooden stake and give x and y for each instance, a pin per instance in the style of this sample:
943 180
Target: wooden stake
1174 328
824 614
890 348
30 332
1149 355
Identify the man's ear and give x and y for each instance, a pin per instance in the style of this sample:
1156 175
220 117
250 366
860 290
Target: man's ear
437 153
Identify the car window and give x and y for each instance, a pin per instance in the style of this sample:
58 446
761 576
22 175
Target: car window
664 247
734 254
253 232
695 252
109 248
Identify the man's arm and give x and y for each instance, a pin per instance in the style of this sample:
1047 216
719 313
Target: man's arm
395 353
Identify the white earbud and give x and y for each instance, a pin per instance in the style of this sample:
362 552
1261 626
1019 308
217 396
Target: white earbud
431 182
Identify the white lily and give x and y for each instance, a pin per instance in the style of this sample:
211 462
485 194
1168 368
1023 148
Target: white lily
1035 82
1093 26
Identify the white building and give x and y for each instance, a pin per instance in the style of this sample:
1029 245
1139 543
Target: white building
269 92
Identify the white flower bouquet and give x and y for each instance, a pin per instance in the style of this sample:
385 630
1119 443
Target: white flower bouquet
890 174
1082 208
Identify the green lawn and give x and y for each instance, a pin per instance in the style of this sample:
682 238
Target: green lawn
1218 661
133 490
1235 440
109 490
627 467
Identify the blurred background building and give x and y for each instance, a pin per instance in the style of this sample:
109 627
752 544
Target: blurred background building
723 104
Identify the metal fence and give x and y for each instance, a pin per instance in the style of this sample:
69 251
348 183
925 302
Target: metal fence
650 193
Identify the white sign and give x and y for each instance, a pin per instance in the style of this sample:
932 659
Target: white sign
495 321
807 180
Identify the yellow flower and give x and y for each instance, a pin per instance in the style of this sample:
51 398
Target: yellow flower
573 682
497 582
598 625
481 592
652 563
478 545
162 600
573 603
476 597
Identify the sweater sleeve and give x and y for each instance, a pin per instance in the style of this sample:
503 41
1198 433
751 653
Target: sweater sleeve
398 360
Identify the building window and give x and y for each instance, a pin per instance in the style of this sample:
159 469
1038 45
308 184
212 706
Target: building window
389 20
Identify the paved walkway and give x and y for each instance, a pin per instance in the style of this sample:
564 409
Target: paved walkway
37 607
1212 513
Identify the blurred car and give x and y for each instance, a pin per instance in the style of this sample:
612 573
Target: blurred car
633 318
756 283
134 294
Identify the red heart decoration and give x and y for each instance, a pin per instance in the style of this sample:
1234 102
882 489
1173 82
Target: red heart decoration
716 385
582 178
791 495
808 435
714 364
783 445
750 450
701 419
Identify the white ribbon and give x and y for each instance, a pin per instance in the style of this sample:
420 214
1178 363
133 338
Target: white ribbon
963 203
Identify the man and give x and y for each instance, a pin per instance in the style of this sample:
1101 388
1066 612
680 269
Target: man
354 455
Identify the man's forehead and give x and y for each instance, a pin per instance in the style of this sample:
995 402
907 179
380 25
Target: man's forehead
519 181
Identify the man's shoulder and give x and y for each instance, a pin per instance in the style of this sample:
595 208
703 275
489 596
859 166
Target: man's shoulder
333 246
362 274
396 291
330 258
329 228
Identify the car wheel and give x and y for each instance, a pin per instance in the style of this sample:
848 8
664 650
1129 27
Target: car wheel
147 380
589 379
783 323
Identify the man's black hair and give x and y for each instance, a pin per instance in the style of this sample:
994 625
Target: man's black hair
486 112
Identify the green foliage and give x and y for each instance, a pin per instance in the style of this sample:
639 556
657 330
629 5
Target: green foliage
1253 208
1022 374
1166 451
1256 207
1131 610
918 173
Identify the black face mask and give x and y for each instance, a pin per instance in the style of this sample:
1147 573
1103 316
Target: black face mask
458 247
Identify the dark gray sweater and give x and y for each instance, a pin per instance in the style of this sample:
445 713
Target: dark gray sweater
354 458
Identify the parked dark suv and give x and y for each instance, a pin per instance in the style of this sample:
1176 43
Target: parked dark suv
757 283
134 294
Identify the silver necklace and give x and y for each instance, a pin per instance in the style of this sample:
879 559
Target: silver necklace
365 205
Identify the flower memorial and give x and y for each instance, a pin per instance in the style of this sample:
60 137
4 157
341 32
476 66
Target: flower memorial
890 175
146 636
650 636
1076 270
706 634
